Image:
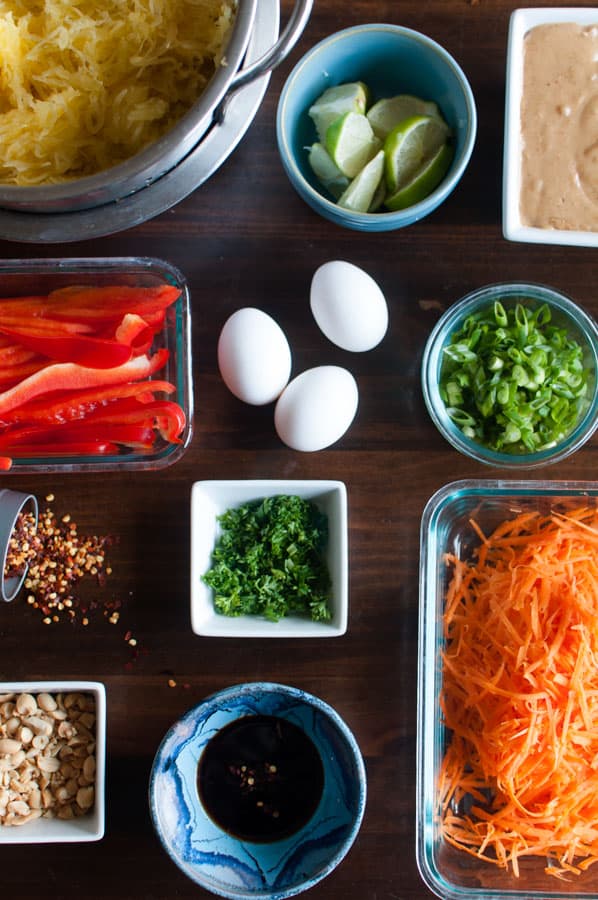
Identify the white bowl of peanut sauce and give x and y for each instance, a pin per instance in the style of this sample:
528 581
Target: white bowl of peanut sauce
550 176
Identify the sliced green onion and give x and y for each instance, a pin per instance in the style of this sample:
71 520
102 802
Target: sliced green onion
500 313
513 380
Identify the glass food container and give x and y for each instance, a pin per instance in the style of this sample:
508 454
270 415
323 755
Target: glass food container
25 277
446 528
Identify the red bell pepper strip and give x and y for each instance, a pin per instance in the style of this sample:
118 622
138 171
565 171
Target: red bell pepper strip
10 376
82 448
140 435
28 324
93 302
85 303
14 354
134 331
130 327
71 376
166 416
64 406
23 305
87 351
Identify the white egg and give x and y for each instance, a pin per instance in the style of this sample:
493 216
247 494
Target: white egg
316 408
348 306
254 356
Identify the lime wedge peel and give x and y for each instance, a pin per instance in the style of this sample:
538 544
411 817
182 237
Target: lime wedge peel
389 112
351 143
360 194
423 182
409 146
335 102
326 171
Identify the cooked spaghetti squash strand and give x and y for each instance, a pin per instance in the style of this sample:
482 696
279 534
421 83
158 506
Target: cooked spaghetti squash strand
520 694
85 85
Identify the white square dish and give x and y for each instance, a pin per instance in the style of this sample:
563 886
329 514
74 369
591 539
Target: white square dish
514 228
209 500
90 825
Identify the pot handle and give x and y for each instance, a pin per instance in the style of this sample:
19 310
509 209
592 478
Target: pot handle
280 50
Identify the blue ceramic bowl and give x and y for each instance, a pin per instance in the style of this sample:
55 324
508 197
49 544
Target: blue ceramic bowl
390 60
244 870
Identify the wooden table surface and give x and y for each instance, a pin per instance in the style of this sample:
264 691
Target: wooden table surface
245 238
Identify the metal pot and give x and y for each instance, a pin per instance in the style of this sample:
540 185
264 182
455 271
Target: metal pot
154 161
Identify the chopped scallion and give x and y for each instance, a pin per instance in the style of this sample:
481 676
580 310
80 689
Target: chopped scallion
513 380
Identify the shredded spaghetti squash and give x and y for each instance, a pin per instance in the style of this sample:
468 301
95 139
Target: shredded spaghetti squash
85 85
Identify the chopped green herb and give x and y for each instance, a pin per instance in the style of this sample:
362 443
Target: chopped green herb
269 560
514 381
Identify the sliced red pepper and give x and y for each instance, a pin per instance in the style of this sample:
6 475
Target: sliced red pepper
83 448
166 416
86 351
64 406
129 329
10 376
28 324
85 308
71 376
14 354
84 303
135 331
140 435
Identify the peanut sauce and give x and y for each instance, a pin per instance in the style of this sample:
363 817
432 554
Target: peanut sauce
559 125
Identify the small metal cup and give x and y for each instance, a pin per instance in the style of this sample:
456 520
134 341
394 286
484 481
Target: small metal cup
11 504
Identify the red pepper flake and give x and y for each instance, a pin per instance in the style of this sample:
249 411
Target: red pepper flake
59 559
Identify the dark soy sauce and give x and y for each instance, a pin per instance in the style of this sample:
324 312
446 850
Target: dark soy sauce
260 778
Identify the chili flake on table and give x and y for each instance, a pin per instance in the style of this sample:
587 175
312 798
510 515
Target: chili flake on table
58 558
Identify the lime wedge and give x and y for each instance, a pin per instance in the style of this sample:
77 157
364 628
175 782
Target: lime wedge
351 143
326 171
409 145
423 182
386 114
362 190
378 198
335 102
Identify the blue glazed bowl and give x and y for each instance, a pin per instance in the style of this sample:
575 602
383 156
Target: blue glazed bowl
390 60
244 870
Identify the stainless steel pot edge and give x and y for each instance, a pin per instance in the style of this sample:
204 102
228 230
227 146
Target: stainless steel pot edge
187 176
155 160
281 49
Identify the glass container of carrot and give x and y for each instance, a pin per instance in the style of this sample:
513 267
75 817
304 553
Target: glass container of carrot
507 763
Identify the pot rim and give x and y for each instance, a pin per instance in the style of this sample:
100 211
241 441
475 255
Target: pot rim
153 161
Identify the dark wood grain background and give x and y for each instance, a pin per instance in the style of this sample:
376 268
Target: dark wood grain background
251 241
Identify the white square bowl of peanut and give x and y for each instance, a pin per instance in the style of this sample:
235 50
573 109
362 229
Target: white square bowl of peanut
52 761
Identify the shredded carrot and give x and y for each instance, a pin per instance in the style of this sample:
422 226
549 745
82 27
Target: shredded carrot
520 694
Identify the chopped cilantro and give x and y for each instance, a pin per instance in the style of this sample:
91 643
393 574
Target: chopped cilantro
269 560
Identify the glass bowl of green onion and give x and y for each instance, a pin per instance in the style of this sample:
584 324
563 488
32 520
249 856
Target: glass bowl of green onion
509 375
